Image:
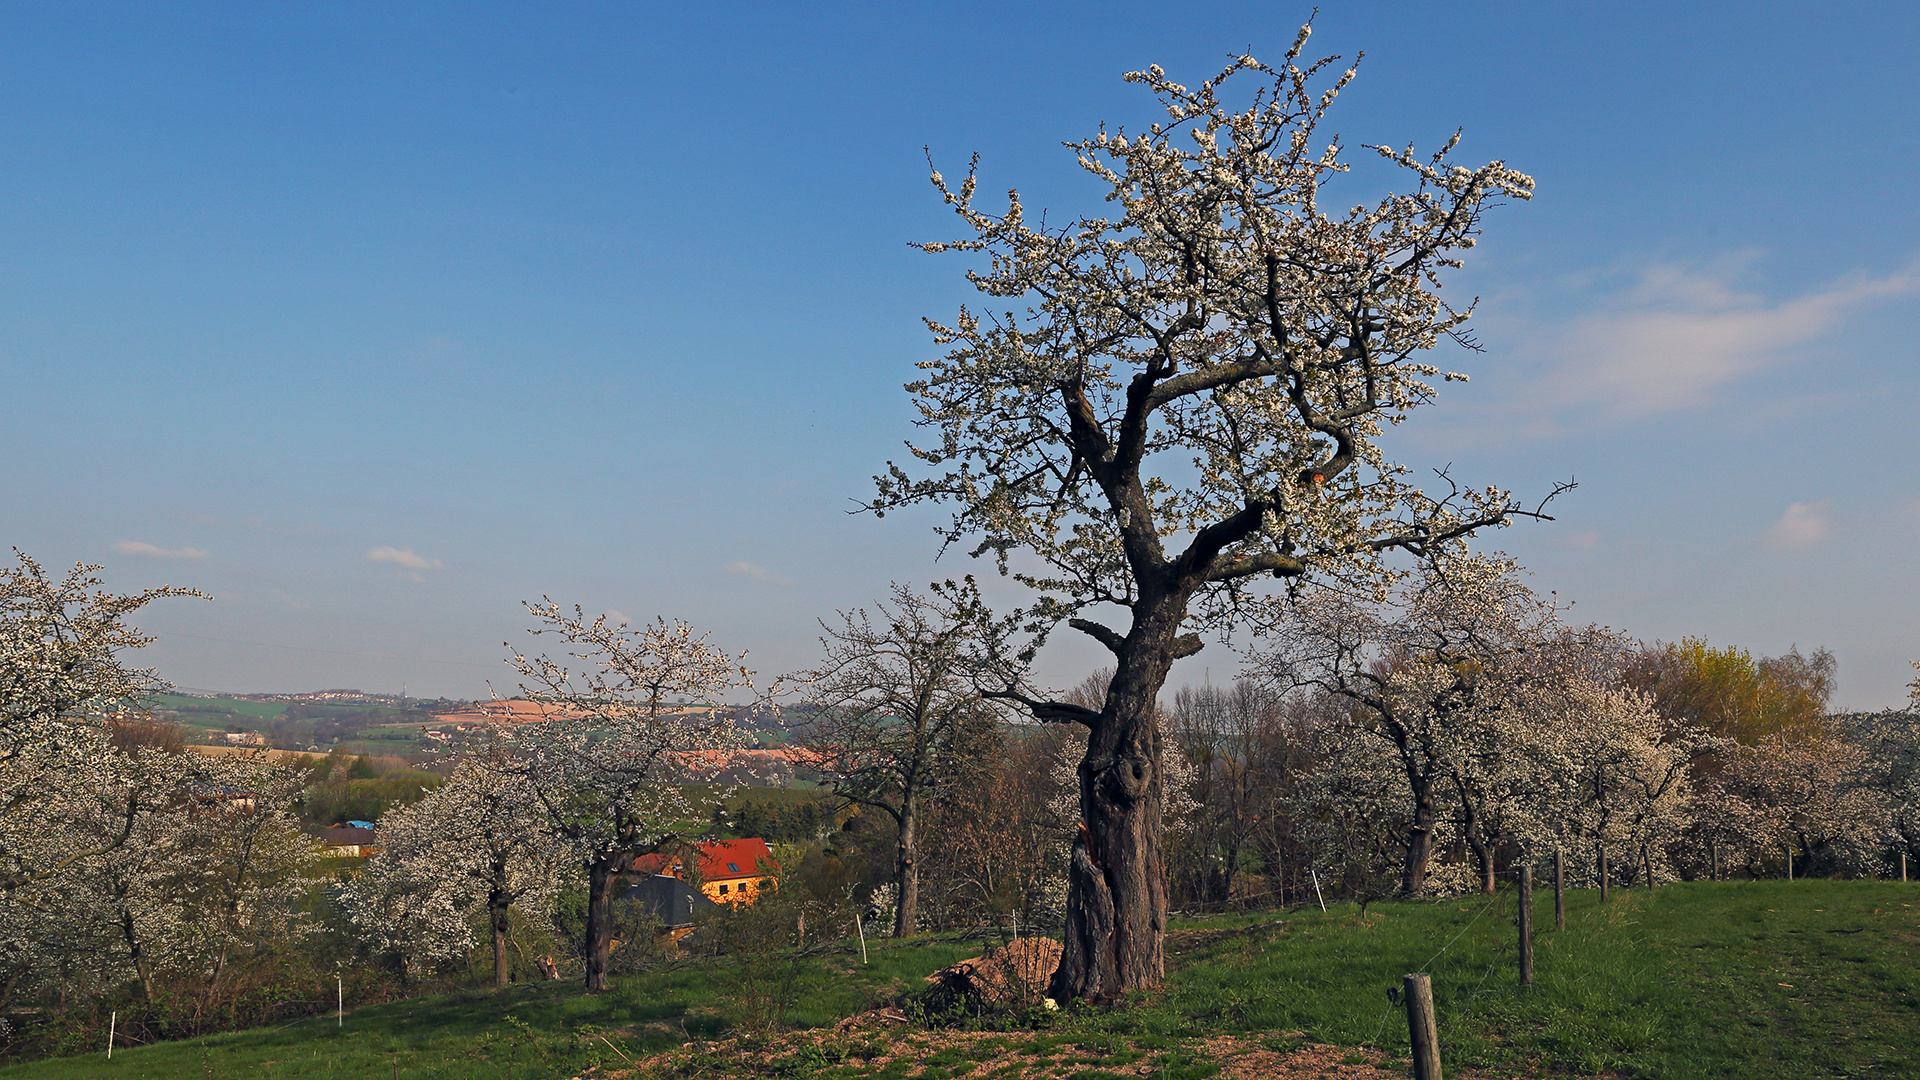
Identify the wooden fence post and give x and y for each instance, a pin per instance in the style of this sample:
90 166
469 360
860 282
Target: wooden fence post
1903 866
1422 1029
1789 862
1526 924
1603 871
1559 893
1646 860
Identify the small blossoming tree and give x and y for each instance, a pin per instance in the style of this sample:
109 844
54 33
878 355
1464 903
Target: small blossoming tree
479 844
898 711
631 727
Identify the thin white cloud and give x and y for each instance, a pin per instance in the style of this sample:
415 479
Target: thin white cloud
1677 335
141 547
618 617
747 569
1680 335
1803 525
402 557
1582 540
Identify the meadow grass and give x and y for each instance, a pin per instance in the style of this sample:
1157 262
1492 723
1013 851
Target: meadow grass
1764 979
1693 980
218 714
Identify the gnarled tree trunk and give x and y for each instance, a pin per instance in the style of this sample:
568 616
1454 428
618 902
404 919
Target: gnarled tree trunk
1419 838
1116 880
497 903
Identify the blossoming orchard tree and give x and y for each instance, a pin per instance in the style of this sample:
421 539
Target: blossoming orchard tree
1179 402
629 728
1603 771
124 861
1440 674
478 843
61 646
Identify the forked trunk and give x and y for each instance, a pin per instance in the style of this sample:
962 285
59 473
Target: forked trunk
1483 861
1116 881
136 954
497 917
1419 839
1477 844
602 876
906 872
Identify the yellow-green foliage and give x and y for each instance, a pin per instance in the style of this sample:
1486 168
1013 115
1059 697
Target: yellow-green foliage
366 798
1732 694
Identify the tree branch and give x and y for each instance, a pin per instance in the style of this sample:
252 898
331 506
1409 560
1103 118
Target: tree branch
1105 635
1047 712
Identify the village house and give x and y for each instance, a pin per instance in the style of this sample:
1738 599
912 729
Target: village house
730 871
352 839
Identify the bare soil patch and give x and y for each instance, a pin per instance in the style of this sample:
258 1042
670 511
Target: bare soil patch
855 1051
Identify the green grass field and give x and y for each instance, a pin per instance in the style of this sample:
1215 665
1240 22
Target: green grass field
1769 979
219 714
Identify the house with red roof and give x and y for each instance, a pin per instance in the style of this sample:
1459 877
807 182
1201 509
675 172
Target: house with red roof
731 871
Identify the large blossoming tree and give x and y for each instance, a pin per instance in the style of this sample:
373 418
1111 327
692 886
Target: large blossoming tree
1172 404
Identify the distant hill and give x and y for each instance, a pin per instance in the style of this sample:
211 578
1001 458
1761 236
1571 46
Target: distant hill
316 722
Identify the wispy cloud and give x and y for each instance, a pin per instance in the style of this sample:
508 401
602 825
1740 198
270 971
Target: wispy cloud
1582 540
1803 525
141 547
747 569
402 557
1675 336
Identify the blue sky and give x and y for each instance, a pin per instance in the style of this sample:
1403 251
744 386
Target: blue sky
375 320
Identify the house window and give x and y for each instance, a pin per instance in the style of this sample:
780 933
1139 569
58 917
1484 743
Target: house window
733 868
723 889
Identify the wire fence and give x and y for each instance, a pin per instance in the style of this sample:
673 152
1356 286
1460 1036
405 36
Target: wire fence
1427 966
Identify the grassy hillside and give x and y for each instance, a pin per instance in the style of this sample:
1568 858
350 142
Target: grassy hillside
1771 979
220 714
357 728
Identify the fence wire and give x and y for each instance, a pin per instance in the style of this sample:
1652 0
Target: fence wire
1426 966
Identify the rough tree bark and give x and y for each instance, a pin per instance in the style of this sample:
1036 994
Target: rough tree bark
1116 898
1419 837
603 876
1477 844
